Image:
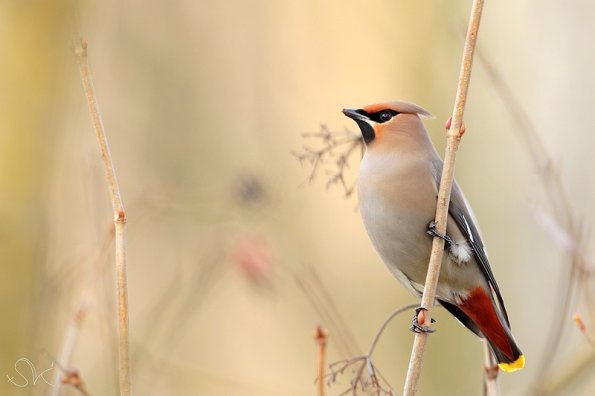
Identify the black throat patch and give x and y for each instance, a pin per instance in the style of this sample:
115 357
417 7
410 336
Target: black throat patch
378 117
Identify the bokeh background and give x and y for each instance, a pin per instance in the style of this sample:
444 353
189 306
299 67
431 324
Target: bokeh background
234 257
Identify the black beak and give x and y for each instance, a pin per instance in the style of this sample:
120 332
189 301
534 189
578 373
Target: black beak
355 114
362 118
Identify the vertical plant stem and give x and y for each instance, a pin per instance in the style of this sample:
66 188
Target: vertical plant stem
321 337
490 375
454 137
119 220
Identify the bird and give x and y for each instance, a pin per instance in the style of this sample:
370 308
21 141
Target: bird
397 185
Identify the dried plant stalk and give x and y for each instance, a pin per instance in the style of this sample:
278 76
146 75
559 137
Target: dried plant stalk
563 222
119 220
556 382
321 338
323 303
580 323
491 370
80 313
335 147
454 137
367 377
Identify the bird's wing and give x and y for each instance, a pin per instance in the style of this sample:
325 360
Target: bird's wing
460 212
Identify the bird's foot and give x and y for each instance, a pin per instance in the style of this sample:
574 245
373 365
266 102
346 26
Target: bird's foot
433 231
448 123
418 324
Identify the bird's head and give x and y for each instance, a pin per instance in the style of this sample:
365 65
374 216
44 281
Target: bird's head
389 121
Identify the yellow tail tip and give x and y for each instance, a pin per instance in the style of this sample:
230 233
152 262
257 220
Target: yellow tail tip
514 366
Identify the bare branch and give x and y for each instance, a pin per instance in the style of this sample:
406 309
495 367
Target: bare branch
322 301
321 338
119 219
366 376
580 323
454 137
368 382
335 146
73 378
490 371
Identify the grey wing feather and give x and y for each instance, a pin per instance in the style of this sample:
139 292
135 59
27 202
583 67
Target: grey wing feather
460 212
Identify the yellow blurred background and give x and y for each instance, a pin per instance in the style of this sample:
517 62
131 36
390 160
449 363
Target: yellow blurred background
233 257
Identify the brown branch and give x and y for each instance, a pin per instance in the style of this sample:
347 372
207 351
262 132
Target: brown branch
119 220
490 371
580 323
73 378
336 146
68 377
375 381
374 384
321 338
454 137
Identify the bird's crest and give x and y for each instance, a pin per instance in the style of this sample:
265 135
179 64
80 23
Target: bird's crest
400 107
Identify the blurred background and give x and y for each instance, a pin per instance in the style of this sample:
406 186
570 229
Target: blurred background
234 257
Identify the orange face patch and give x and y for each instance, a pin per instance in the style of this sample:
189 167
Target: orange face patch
373 108
378 128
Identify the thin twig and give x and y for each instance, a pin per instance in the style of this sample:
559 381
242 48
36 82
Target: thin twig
564 219
119 220
322 301
73 378
321 338
454 137
85 299
490 371
336 146
556 381
375 382
385 323
580 323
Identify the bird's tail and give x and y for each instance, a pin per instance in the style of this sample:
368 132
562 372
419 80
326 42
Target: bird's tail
481 309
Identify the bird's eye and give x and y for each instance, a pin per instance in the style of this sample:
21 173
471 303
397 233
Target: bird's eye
386 116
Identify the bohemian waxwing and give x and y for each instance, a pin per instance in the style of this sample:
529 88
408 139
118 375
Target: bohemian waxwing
398 186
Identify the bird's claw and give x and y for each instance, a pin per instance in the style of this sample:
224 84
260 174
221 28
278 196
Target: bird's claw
418 323
433 231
